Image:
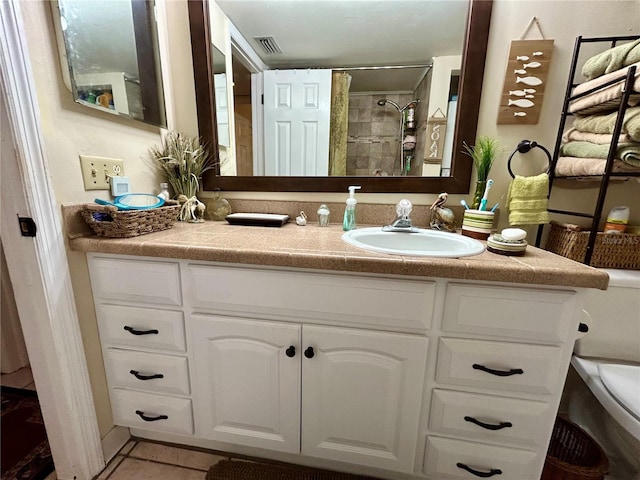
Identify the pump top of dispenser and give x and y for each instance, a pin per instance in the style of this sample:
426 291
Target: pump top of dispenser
352 191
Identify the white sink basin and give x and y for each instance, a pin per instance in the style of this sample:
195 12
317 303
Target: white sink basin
423 243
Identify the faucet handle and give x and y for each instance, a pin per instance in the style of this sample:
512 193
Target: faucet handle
403 208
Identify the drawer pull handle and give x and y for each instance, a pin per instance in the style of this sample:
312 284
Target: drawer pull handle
477 473
291 351
133 331
309 353
499 373
150 419
139 376
489 426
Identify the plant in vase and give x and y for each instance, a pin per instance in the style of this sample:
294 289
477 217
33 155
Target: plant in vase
483 153
182 160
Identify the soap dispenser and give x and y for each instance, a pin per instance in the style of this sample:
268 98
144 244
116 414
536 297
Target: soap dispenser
349 222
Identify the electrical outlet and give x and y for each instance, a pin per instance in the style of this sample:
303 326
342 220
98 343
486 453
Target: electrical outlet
97 170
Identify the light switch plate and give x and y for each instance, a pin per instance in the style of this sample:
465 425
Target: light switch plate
96 171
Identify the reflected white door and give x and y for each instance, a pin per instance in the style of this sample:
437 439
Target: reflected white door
297 108
222 108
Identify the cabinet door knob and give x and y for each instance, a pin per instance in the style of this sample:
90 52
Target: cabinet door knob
309 353
133 331
489 426
139 376
150 419
499 373
291 351
478 473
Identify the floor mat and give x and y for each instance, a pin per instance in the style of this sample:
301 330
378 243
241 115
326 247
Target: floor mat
25 448
242 470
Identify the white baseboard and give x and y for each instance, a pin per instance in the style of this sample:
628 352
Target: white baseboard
114 441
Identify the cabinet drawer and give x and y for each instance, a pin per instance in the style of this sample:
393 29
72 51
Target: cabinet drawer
154 409
447 459
141 327
543 315
499 366
498 419
136 280
358 301
147 371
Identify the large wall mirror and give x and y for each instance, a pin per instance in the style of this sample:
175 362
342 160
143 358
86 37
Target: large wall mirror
389 83
111 49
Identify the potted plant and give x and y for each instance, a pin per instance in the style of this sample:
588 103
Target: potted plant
483 153
182 160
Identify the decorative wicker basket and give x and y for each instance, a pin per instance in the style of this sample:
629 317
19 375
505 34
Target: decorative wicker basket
108 221
573 454
610 250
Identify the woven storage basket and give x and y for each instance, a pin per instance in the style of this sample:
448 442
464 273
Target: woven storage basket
108 221
573 454
610 250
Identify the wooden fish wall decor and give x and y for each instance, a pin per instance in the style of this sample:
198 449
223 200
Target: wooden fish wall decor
525 81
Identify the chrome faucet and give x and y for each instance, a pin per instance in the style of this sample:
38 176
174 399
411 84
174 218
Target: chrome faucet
402 223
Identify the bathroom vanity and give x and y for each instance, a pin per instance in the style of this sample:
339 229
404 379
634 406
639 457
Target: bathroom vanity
291 345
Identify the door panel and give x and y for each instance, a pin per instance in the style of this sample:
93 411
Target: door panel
297 107
250 392
362 392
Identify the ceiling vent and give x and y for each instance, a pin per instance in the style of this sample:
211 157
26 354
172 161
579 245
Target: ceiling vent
269 45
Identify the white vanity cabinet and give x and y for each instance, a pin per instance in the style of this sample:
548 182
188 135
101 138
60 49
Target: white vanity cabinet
434 378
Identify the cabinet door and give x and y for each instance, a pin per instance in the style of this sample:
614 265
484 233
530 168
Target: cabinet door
248 385
362 395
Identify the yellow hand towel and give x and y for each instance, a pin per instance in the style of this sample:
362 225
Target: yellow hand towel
527 200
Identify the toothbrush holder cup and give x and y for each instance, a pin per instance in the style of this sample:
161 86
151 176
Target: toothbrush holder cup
477 224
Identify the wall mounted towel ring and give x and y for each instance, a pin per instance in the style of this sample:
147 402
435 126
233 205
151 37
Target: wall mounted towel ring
523 147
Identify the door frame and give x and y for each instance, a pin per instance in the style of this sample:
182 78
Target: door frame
242 50
39 269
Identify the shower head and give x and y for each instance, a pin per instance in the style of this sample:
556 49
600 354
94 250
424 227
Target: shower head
384 101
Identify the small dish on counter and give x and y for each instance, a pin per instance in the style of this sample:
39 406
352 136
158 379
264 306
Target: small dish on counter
497 244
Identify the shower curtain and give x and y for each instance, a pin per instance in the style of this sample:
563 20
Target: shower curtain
339 123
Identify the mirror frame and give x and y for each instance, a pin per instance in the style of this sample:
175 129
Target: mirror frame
472 73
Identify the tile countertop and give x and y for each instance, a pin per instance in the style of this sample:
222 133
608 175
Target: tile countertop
323 249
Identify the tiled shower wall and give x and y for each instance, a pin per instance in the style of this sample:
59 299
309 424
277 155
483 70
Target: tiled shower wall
373 144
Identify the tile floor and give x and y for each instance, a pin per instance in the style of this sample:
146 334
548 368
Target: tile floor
142 460
19 379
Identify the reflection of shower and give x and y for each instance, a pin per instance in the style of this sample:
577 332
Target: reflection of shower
410 122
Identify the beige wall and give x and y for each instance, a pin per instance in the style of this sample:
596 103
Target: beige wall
70 129
561 21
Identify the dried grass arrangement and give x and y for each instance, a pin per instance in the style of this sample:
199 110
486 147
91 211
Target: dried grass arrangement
182 160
